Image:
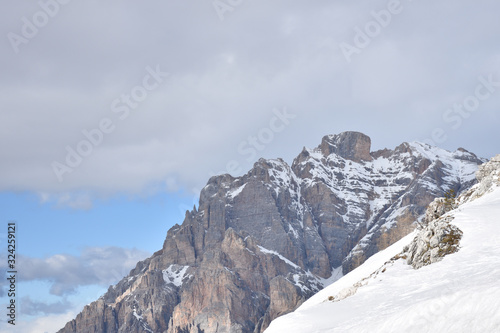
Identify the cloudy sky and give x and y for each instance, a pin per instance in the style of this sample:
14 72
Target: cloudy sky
114 114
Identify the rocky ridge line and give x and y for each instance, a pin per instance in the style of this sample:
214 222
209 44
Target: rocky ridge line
259 245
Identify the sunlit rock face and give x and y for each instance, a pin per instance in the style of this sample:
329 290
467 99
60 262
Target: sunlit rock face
259 245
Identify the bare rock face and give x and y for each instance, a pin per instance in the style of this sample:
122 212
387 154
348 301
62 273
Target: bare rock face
259 245
488 176
438 239
353 146
435 210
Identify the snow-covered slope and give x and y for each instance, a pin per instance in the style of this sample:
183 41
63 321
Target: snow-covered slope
458 294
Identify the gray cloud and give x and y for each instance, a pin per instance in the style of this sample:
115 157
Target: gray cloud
225 79
33 308
95 266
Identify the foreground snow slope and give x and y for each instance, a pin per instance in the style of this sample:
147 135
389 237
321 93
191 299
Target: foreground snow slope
461 293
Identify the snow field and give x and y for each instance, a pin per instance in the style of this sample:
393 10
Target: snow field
458 294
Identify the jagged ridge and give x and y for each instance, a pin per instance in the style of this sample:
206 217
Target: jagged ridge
259 245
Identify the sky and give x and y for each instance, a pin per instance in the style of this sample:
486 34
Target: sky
114 114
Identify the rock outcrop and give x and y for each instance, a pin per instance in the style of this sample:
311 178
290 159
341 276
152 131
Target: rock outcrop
488 176
259 245
352 146
438 239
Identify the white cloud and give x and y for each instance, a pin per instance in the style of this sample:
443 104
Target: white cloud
74 200
32 307
47 324
78 201
101 266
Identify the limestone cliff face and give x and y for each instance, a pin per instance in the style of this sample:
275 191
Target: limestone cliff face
259 245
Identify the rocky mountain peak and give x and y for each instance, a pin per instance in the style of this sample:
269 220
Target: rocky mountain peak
260 244
466 155
354 146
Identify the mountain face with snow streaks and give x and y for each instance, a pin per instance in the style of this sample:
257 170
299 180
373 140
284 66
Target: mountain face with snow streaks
441 278
259 245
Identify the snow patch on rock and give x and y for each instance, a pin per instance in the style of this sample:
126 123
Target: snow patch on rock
175 274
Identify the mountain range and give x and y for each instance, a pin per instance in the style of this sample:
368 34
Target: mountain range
259 245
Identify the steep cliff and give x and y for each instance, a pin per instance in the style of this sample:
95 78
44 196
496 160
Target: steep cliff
259 245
